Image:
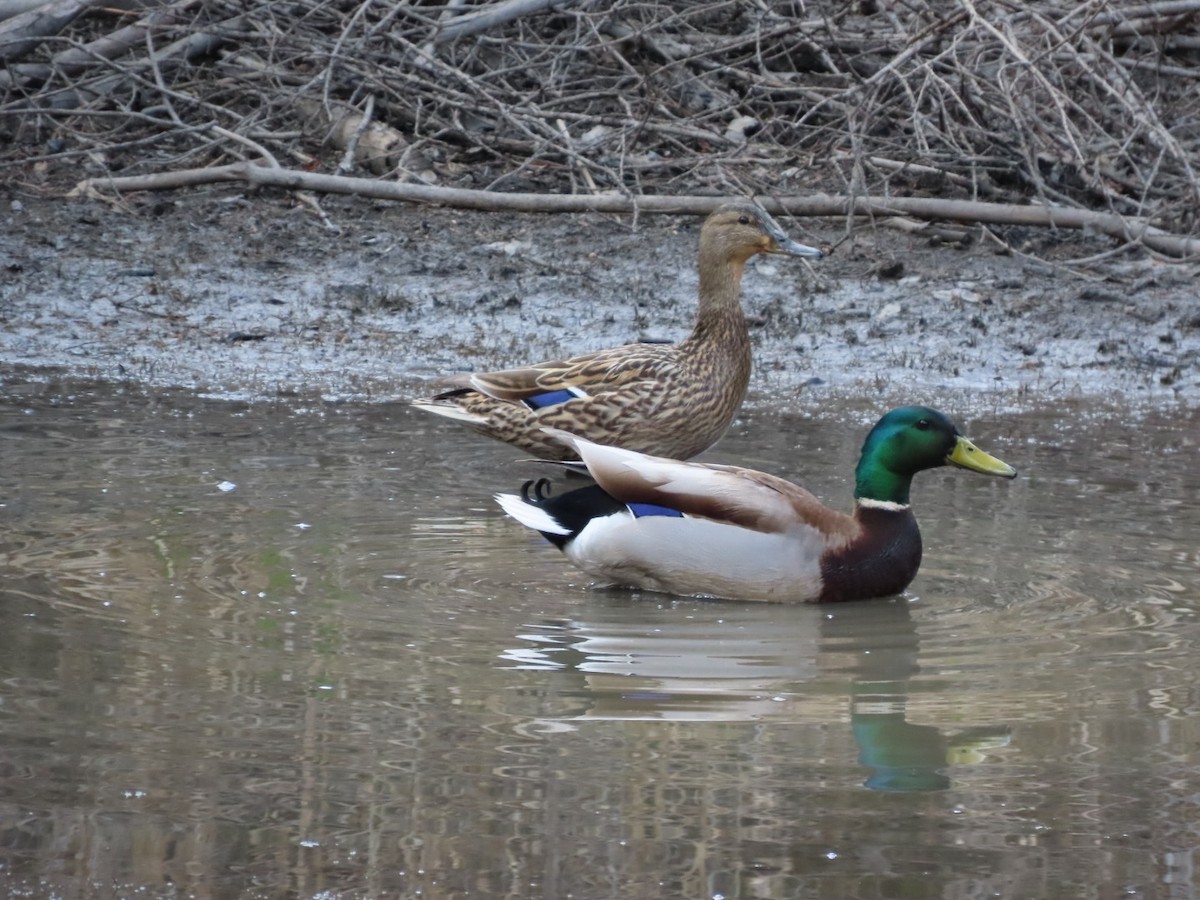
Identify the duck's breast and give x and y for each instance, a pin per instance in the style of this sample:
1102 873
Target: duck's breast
882 560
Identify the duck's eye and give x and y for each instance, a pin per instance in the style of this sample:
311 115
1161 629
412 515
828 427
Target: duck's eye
924 424
743 220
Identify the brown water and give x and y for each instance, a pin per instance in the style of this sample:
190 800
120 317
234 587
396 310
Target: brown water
347 675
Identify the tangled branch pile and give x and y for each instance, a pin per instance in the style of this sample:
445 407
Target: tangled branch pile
1077 103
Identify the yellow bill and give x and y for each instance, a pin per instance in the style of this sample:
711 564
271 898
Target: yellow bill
967 456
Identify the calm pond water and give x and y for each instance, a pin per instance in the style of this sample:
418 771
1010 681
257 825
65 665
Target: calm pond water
278 650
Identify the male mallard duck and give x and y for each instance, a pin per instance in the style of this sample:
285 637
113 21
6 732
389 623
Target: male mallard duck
673 400
724 531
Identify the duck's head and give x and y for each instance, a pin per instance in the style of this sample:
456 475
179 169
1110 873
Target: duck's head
908 440
740 229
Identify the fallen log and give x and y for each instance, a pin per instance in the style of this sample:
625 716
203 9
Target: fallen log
1124 228
125 79
75 60
25 32
10 8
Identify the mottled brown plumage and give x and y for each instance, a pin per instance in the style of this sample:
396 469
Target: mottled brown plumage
671 400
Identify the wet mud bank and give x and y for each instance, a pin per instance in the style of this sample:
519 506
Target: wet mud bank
255 297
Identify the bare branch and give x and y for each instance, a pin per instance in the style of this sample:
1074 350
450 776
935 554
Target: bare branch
1084 105
23 33
491 16
1126 229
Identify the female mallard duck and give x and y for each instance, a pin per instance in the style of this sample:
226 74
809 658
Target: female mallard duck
672 400
723 531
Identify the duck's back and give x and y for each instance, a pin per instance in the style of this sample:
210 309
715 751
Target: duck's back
673 400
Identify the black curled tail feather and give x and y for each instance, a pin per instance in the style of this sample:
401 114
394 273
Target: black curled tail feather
539 488
573 510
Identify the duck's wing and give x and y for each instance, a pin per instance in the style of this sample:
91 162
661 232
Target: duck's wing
728 494
585 375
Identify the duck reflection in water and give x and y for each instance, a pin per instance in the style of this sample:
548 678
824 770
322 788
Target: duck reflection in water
707 662
902 755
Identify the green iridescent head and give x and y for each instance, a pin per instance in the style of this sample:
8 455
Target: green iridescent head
908 440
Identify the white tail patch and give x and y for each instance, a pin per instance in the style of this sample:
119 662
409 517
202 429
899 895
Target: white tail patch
529 515
450 412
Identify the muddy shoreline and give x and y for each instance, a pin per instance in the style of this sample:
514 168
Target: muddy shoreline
254 297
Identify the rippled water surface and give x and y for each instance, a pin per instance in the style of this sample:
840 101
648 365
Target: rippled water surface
280 650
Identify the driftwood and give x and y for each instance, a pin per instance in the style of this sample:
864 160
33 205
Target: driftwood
106 47
1147 15
10 8
24 32
490 16
1084 107
1119 227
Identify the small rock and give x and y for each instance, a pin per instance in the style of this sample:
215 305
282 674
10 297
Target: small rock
958 295
1171 377
594 136
1096 294
888 311
1147 314
742 128
507 248
891 270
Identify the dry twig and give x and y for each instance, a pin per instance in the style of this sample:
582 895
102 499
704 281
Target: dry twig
1078 104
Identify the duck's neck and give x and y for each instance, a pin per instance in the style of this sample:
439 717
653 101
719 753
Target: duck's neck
876 484
720 284
719 319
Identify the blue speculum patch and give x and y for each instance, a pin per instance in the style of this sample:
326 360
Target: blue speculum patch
539 401
649 509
